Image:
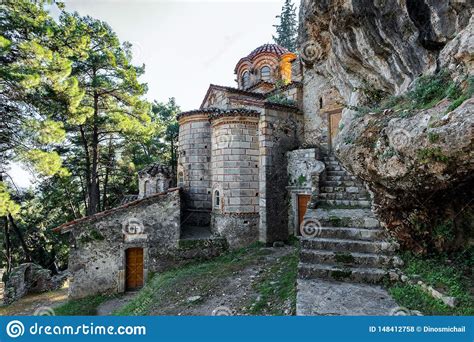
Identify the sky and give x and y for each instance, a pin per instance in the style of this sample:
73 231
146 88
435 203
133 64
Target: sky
185 45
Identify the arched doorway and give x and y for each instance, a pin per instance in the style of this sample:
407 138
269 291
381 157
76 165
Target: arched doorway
134 277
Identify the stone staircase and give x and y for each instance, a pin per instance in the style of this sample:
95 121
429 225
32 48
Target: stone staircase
339 188
346 242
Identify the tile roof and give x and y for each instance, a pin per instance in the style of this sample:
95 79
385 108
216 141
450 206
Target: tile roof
113 210
274 49
154 169
215 112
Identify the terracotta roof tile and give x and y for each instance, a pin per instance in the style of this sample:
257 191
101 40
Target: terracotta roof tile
113 210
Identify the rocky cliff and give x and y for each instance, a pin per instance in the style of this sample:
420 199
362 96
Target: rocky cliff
405 71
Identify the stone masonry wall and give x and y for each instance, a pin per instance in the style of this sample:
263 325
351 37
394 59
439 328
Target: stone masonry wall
99 243
194 160
280 130
235 175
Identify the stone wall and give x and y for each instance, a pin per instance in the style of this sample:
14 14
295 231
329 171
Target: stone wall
303 168
279 131
99 242
194 152
235 175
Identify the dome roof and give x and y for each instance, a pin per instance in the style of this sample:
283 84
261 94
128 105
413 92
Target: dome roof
268 48
265 48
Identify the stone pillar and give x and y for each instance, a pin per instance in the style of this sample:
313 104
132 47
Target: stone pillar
235 176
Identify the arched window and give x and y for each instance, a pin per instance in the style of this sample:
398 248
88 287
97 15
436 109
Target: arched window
146 188
265 73
180 178
217 199
245 80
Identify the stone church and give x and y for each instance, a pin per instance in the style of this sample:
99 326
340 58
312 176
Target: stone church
254 163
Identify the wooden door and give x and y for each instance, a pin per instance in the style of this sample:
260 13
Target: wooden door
134 268
334 119
302 206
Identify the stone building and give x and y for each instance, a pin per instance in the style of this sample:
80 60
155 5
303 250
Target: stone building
250 161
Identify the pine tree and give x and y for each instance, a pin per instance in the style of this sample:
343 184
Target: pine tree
287 30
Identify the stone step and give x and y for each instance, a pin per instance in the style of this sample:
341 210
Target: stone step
346 245
346 203
335 167
338 217
325 178
349 189
351 233
337 183
330 158
336 173
354 274
311 256
342 196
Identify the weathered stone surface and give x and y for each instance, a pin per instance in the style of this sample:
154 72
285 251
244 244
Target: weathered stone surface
30 278
418 168
326 298
418 165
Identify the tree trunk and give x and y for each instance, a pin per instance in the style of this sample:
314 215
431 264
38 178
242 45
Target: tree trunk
94 193
8 253
108 167
20 237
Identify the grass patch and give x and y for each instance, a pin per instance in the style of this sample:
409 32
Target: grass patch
453 278
277 288
426 92
196 278
82 307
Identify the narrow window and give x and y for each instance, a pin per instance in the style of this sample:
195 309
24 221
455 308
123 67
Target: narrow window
320 102
217 199
180 178
265 73
245 79
146 188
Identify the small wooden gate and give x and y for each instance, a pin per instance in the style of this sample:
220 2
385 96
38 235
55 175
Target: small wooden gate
134 268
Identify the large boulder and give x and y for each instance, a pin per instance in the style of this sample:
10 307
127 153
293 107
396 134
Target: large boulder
417 163
30 278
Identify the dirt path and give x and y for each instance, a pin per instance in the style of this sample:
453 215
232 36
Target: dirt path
38 303
226 293
107 308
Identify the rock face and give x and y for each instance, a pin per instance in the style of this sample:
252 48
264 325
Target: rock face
417 165
30 278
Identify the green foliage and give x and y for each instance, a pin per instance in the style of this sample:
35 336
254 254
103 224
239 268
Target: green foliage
426 92
301 180
83 307
7 205
431 154
433 137
90 236
450 276
287 29
277 286
281 99
430 89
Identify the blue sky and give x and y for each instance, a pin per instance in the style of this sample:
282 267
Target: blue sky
185 45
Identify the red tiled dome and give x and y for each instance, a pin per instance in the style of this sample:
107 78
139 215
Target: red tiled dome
269 48
265 48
